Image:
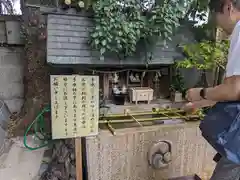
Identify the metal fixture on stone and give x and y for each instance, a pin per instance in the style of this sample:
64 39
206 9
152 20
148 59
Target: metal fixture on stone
160 154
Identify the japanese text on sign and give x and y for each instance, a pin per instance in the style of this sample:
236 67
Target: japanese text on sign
75 106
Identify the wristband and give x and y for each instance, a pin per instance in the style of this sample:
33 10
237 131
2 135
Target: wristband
203 93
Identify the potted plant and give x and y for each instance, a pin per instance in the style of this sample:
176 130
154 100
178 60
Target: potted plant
177 88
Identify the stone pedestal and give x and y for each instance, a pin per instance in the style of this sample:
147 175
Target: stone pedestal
124 156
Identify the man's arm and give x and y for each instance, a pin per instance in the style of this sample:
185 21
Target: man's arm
228 91
203 103
192 106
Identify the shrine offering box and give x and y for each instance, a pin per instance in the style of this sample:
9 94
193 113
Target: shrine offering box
137 94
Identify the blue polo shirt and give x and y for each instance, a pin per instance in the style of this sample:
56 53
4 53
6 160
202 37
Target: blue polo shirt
221 128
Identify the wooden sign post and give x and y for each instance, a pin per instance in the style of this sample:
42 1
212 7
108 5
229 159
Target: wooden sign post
78 153
74 110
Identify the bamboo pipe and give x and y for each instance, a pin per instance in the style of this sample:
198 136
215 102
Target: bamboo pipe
136 120
111 129
165 115
161 111
183 117
145 119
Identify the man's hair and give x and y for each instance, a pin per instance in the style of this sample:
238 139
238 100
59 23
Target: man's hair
217 5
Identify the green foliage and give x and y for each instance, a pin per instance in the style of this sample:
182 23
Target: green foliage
120 25
205 55
117 29
163 19
178 84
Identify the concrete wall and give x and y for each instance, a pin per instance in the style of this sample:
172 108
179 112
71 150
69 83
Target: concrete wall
10 26
124 156
11 77
11 62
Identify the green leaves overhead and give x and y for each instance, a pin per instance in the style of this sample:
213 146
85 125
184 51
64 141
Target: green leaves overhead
205 55
119 25
164 18
117 28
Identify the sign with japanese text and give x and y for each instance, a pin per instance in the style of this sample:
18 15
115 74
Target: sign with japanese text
74 106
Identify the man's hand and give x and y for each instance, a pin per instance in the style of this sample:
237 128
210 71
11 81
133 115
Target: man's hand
189 107
193 94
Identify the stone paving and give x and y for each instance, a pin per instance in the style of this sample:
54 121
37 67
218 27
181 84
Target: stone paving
18 163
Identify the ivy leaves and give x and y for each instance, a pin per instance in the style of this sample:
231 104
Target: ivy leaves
117 27
164 19
120 25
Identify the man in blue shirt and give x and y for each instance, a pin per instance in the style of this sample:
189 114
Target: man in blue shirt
221 125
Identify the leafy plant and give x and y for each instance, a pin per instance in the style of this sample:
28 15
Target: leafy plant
205 55
119 25
177 83
162 20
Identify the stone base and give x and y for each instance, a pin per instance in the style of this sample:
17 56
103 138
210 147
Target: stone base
124 156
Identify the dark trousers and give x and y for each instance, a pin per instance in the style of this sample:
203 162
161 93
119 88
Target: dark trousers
225 169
